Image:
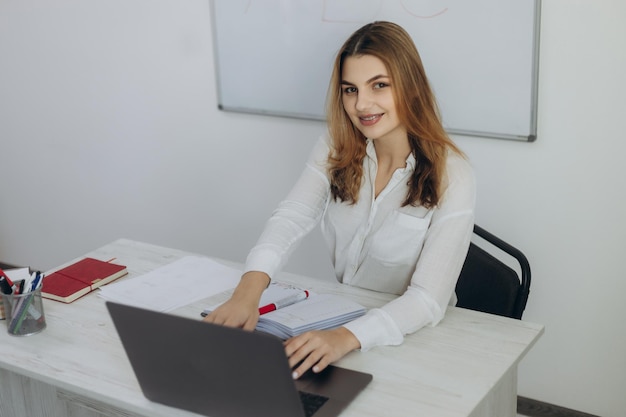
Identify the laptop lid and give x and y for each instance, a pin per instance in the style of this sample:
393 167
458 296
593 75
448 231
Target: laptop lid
220 371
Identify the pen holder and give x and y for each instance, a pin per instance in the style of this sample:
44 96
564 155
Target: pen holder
24 313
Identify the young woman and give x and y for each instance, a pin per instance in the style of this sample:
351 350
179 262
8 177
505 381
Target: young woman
394 195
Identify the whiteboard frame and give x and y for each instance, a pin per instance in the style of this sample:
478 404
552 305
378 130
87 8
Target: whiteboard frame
534 87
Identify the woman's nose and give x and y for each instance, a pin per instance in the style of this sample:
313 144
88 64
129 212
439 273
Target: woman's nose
363 101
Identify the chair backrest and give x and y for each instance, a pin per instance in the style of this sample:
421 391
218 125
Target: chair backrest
487 284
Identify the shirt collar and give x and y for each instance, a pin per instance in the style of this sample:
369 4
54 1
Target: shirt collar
371 152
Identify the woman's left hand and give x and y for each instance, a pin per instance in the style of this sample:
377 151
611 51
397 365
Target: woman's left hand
317 349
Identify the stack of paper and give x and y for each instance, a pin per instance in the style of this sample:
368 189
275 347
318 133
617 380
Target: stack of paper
318 312
175 285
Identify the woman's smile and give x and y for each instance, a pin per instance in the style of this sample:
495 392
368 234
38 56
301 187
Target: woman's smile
370 119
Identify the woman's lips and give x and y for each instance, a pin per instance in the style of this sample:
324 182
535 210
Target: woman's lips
370 119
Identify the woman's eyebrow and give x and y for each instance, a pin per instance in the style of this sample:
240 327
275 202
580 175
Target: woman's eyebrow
371 80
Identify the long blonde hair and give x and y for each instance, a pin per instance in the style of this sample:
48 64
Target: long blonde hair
417 109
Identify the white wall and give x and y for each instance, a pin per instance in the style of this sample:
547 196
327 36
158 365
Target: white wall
109 128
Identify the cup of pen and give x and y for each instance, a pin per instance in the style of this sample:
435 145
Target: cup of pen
24 313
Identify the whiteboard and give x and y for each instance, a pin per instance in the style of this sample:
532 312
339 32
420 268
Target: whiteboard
481 56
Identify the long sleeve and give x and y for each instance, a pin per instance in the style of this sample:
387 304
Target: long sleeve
295 216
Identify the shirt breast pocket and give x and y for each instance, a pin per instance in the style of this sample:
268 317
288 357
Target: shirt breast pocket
400 238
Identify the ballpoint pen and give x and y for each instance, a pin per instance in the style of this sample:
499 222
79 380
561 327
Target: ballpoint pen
20 310
36 281
25 287
20 288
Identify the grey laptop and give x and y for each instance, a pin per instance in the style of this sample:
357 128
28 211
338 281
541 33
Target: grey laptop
224 372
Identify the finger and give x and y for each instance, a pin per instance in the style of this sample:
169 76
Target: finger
298 356
295 343
306 364
233 321
321 364
211 318
299 350
250 324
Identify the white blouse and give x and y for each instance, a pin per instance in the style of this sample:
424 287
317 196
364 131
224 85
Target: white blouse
377 244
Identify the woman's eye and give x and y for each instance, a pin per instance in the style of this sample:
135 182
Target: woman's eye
381 85
349 90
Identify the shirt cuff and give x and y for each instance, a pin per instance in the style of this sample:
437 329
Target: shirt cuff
375 328
263 260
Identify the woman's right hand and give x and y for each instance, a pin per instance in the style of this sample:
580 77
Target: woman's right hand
242 309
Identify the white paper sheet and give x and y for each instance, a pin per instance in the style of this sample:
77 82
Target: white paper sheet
175 285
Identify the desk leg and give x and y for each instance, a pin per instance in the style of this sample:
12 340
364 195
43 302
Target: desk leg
502 399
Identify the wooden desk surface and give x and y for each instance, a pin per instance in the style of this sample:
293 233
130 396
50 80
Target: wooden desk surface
462 367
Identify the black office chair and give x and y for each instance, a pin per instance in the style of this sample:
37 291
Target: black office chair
489 285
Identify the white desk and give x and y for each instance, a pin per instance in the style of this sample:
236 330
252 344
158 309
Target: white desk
466 366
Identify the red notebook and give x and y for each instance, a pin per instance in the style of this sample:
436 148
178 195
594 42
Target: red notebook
80 278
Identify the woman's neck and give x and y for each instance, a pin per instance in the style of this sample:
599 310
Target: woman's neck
391 154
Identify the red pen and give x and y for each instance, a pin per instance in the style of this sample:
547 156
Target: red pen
287 301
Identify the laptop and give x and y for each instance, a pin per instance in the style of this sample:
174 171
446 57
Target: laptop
225 372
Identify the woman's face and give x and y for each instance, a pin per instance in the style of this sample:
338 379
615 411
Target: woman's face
367 95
